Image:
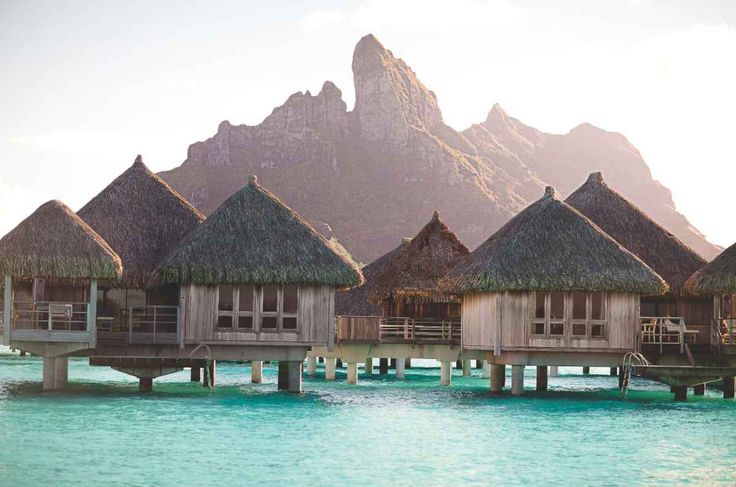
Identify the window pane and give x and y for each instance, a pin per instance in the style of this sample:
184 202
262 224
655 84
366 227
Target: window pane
539 308
226 298
537 328
289 323
245 322
578 305
578 329
557 305
269 323
597 330
597 312
224 321
270 299
290 301
246 298
556 329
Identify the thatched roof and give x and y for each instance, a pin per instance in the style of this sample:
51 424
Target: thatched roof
142 218
632 228
414 273
357 301
716 277
253 237
54 243
552 246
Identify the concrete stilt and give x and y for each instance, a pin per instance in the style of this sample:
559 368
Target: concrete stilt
369 365
195 374
446 373
213 373
400 365
466 368
517 379
554 371
498 372
145 384
383 366
352 373
61 373
728 387
614 371
680 393
486 370
330 368
699 390
256 371
49 374
283 383
311 366
295 376
541 377
586 370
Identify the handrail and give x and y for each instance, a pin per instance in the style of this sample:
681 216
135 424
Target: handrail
49 315
153 324
656 330
397 329
724 331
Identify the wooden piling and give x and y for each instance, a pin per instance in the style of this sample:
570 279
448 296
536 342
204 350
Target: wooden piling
195 374
498 372
699 390
680 393
283 383
586 370
614 371
542 378
729 384
383 366
145 384
213 372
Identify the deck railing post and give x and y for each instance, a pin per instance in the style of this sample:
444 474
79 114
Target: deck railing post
154 324
130 325
682 336
7 308
91 313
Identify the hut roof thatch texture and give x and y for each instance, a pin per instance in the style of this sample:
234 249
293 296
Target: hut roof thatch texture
415 273
142 218
632 228
716 277
552 246
253 237
54 243
357 301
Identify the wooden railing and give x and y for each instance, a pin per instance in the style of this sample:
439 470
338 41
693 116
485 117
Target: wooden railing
49 316
153 324
380 329
723 332
660 330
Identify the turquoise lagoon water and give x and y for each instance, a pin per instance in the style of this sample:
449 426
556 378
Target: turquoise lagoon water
381 432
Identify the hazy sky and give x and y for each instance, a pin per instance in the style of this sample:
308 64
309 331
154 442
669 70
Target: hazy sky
85 86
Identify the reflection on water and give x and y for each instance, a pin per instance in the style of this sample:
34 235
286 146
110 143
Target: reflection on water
383 431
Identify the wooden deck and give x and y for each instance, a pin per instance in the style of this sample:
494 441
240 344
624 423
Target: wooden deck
381 329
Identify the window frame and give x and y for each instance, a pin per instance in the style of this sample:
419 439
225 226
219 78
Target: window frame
257 313
568 322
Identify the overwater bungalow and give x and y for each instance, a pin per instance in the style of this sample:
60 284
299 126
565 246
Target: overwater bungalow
673 320
257 282
52 262
550 288
408 307
142 219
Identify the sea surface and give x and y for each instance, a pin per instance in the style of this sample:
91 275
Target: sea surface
102 431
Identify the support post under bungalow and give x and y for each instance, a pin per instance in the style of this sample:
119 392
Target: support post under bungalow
195 375
466 368
541 377
699 389
498 372
283 382
352 373
256 371
400 365
49 374
614 371
486 370
586 370
92 314
311 366
680 393
383 366
446 373
330 368
517 379
728 387
369 365
213 373
295 376
145 384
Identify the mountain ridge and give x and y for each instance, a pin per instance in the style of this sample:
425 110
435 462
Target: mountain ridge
370 175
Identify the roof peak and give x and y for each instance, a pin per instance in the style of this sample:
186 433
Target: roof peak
138 160
252 180
549 192
436 215
595 177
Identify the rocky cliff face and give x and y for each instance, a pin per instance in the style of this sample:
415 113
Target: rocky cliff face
373 175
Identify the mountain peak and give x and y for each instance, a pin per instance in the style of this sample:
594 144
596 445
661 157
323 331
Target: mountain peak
389 98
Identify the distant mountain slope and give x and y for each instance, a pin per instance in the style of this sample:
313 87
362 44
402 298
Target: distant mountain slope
366 176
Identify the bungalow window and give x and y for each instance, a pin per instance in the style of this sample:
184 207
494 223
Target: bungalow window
270 308
557 314
246 297
539 319
279 308
225 300
290 308
582 313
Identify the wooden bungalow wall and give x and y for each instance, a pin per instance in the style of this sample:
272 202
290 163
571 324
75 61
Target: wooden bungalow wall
315 318
486 316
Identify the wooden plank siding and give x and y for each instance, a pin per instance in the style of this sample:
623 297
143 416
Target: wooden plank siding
484 314
198 315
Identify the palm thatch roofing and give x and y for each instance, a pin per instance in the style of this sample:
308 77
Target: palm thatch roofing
56 244
142 218
552 246
628 225
357 301
415 273
253 237
715 278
